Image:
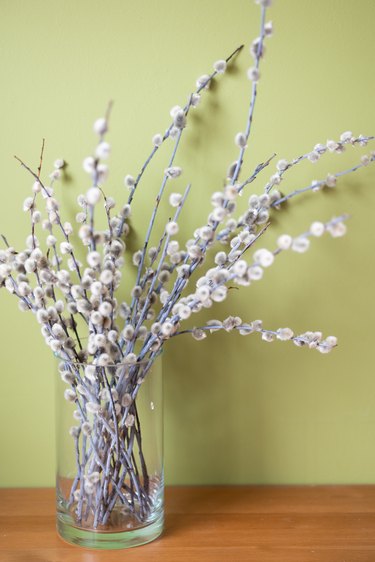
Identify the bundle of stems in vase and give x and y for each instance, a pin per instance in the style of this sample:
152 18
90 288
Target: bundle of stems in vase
106 345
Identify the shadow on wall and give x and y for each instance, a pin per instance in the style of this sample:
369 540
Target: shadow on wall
214 423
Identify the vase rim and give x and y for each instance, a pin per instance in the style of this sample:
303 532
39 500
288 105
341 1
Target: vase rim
123 363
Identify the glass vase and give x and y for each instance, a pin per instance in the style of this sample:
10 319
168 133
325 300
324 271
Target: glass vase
109 425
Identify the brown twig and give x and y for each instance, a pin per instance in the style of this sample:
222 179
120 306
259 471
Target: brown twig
41 158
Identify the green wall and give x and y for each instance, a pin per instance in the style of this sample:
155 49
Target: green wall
238 410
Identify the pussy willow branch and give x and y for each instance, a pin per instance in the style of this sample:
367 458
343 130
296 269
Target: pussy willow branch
178 284
253 97
245 327
167 132
319 183
35 176
34 198
66 236
182 282
95 177
96 448
305 156
312 187
124 456
161 260
134 303
176 318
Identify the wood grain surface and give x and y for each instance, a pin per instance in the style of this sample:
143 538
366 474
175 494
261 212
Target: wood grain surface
212 524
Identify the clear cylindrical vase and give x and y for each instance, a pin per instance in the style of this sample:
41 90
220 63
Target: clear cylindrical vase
109 429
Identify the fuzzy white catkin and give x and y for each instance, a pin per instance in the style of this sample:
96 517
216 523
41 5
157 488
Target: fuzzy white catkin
96 318
94 477
174 110
106 277
179 119
166 328
59 163
93 195
131 359
68 228
203 293
171 228
184 312
174 132
282 165
23 306
90 373
218 214
51 240
240 267
173 172
105 309
175 199
203 81
110 203
331 340
103 172
255 273
332 145
104 359
195 99
129 181
253 74
130 420
103 150
313 156
52 204
74 431
66 248
231 192
28 204
264 257
268 337
219 294
69 395
128 332
300 244
337 230
137 257
126 400
93 259
346 136
96 288
55 175
268 29
81 201
220 66
330 180
24 289
89 164
240 140
157 140
317 228
100 126
284 334
321 148
198 334
92 407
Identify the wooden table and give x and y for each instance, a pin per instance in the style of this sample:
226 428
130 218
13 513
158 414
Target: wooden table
212 524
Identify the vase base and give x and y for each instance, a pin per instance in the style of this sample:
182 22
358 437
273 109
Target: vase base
108 540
